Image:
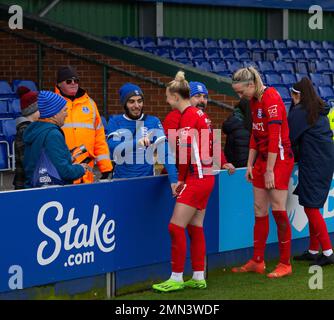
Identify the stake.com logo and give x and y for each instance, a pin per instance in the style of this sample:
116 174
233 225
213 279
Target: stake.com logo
84 236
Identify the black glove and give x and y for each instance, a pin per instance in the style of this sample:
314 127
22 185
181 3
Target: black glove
105 175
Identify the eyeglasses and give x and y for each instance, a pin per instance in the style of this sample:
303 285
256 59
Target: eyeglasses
73 80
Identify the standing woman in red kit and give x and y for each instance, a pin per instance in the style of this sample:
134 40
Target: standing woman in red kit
195 183
269 167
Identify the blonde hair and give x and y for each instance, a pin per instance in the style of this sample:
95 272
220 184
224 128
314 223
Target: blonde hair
247 76
179 85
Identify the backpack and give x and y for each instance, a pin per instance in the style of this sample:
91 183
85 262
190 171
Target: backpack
45 173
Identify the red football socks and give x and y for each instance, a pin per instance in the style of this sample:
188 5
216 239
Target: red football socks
319 225
179 247
314 242
197 247
261 230
284 235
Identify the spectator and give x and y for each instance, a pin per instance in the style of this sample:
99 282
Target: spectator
44 139
83 126
310 132
238 128
135 135
30 113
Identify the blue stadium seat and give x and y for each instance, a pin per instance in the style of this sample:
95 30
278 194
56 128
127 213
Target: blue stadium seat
184 61
268 48
147 42
210 43
316 45
197 54
227 54
322 54
224 44
196 43
284 55
3 107
310 54
212 54
326 92
26 83
239 44
131 42
219 66
322 67
298 54
328 45
163 53
5 88
179 53
302 66
14 107
205 66
4 155
165 42
273 79
225 74
283 67
180 43
303 44
242 54
291 44
233 66
331 65
150 49
288 79
284 93
266 67
253 44
300 76
279 44
319 79
331 54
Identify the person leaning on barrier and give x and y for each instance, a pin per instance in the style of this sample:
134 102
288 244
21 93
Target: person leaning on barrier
45 137
270 164
311 134
83 124
237 128
30 113
134 137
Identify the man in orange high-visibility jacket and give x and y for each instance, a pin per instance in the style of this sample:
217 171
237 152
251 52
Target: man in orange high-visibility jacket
83 125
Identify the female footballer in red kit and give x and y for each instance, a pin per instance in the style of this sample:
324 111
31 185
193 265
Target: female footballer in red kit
270 164
195 183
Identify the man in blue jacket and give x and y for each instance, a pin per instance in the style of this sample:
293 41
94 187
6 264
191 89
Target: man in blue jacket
45 135
133 138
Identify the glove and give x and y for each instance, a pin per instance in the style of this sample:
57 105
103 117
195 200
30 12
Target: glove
105 175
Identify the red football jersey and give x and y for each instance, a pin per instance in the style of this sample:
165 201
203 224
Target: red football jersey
195 144
270 131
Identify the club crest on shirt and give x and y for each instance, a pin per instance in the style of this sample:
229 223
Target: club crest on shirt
85 109
259 113
273 111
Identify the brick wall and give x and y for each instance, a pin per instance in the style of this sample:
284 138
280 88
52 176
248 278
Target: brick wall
18 60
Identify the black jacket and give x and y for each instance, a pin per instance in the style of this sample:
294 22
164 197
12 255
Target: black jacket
237 139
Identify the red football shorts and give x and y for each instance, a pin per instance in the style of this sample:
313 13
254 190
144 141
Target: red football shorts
196 192
282 173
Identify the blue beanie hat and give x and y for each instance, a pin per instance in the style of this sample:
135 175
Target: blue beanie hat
49 104
197 88
129 90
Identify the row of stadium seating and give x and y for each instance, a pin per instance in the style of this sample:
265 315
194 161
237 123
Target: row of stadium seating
281 62
168 42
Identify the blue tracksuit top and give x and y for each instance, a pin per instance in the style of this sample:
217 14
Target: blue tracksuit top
131 159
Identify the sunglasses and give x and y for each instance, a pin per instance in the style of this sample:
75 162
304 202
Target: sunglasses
74 80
